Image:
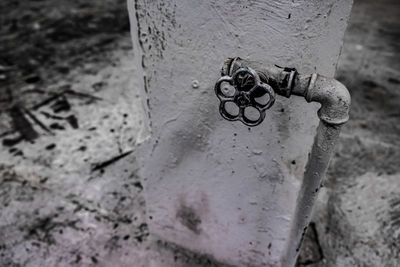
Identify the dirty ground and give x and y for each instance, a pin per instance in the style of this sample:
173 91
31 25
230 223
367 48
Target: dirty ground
70 117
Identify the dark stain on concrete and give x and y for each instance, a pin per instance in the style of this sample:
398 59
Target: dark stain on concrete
189 218
190 258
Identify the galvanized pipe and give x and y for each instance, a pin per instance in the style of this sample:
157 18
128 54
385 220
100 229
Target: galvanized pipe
321 152
334 112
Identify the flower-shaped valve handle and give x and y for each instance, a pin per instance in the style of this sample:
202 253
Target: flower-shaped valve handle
244 97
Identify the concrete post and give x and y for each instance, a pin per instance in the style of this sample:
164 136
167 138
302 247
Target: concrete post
213 186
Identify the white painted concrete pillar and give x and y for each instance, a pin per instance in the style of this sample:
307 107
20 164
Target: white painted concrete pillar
213 186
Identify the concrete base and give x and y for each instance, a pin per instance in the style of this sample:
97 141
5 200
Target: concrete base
212 186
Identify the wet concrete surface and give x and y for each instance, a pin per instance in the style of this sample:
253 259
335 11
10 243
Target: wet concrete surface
69 121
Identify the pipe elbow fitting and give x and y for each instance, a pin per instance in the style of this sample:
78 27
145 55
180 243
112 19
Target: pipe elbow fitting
334 98
330 93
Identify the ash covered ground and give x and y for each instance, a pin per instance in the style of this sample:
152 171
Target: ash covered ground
70 117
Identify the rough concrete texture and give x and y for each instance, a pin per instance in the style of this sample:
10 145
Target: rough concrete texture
60 207
213 186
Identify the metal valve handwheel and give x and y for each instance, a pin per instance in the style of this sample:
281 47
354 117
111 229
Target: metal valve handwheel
244 91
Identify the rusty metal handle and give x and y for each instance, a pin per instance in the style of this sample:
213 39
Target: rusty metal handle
244 90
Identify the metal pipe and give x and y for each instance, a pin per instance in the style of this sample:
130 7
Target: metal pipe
334 112
321 152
